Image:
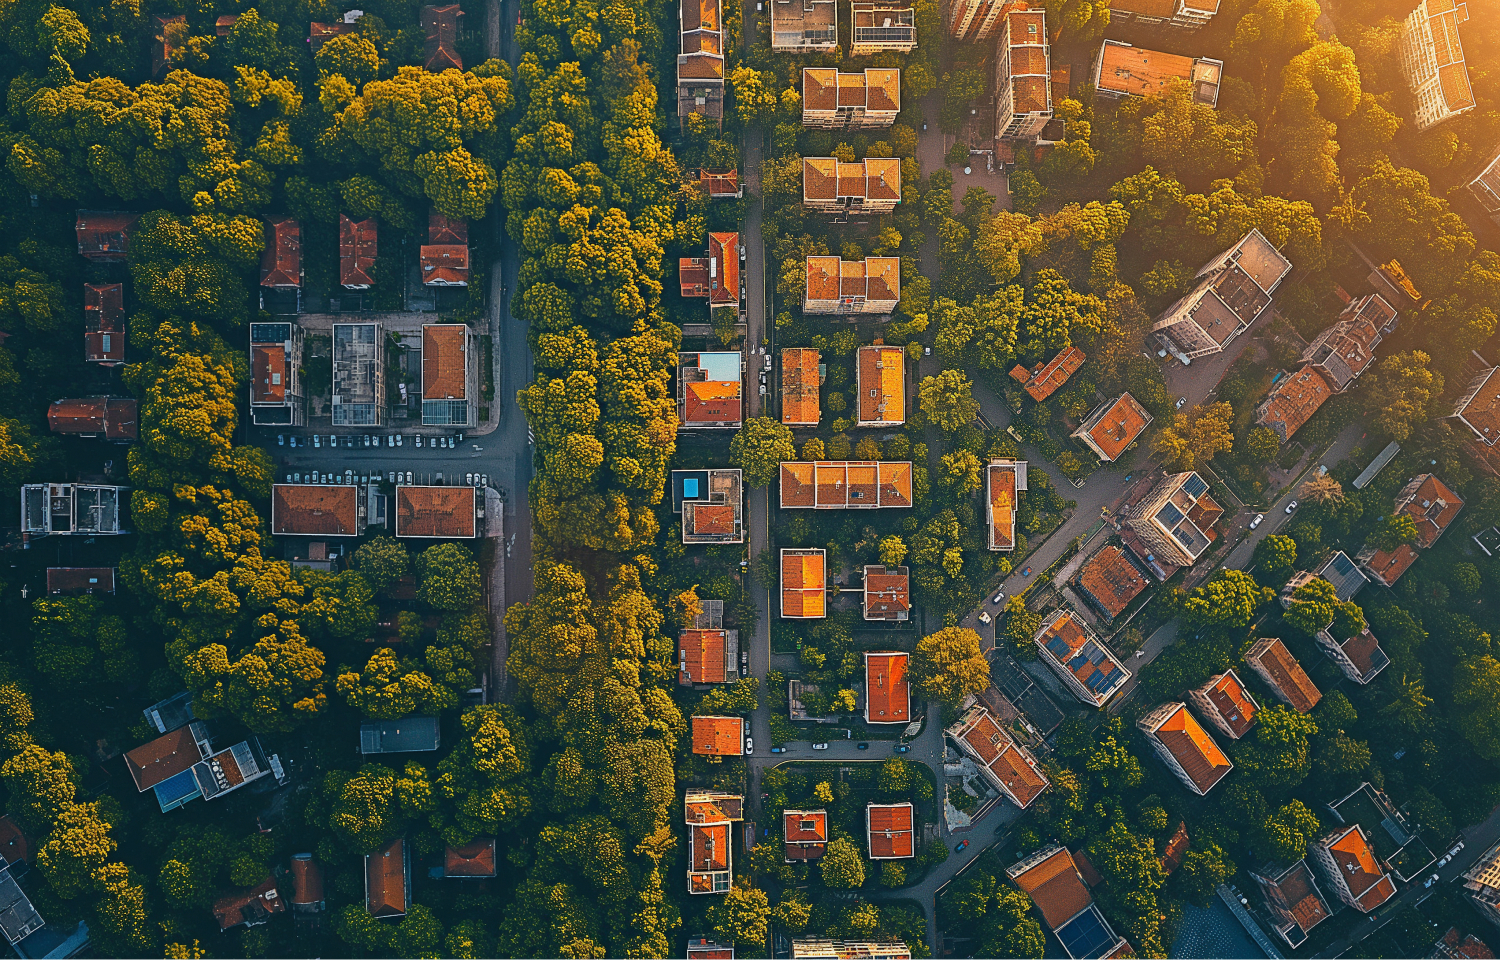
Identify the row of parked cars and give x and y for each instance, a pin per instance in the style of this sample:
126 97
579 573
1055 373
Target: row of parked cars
366 440
390 476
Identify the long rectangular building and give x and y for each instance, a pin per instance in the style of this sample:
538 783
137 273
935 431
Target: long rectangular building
1080 659
845 484
832 100
1122 70
1432 61
869 286
1023 76
1229 294
450 375
868 187
1003 481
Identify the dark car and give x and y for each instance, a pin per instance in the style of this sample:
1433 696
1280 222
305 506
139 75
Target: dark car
902 748
863 745
961 845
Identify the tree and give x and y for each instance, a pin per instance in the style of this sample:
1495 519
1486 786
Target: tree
482 786
1277 556
75 850
352 56
41 785
1287 833
959 471
1408 710
741 917
1277 754
447 577
1322 489
843 866
793 912
948 666
1261 443
1393 531
1009 929
1197 436
76 642
1402 392
383 560
1340 757
1315 606
272 687
892 551
755 95
389 688
1201 872
1230 599
759 448
947 400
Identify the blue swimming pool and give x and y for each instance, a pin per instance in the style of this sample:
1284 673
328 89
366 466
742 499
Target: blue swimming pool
720 366
175 791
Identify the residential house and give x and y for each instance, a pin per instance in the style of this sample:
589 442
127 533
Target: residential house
450 375
166 41
708 656
1023 77
1176 519
804 584
720 184
800 381
1174 851
183 765
1486 187
1434 507
1110 430
700 65
719 736
71 509
716 277
869 286
1043 381
702 948
474 860
1482 881
388 880
880 381
804 835
815 949
445 256
276 375
19 920
845 484
1293 401
1293 899
887 593
1187 14
407 735
1347 348
307 885
1224 702
708 815
832 100
715 513
1479 410
443 513
1432 61
890 831
976 20
804 26
1349 868
1080 659
170 714
104 235
1051 878
15 847
1185 747
1343 573
441 49
830 185
104 323
80 581
249 907
1229 294
1122 70
358 247
320 33
317 510
882 25
1358 656
1457 946
281 262
1110 580
113 418
710 390
358 375
1274 663
1004 479
1005 764
887 691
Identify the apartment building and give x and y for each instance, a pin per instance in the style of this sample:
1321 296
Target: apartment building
358 375
450 375
1346 349
444 258
1113 427
1080 659
887 593
1176 519
880 379
1433 507
700 65
845 484
72 509
113 418
716 277
1003 480
359 242
976 20
1230 293
869 286
882 25
710 390
1111 580
1023 77
1224 702
1293 899
1005 764
1185 747
1122 70
832 100
1432 61
831 186
275 366
1273 662
1051 878
1482 881
1486 187
1187 14
1293 401
1043 380
801 381
1479 408
890 831
1347 862
710 855
804 26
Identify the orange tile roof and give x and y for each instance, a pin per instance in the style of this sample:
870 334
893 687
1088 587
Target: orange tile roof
998 752
798 484
386 892
314 510
114 417
446 512
708 847
895 483
1232 701
445 355
281 263
887 593
1286 675
1193 748
805 834
891 833
799 387
1111 580
712 401
882 385
705 807
1141 72
827 178
474 859
163 758
250 905
441 50
445 265
702 652
826 89
1294 401
724 254
268 373
358 241
1055 887
709 519
1055 373
1367 882
819 178
1119 425
720 183
719 736
887 692
804 584
837 484
1001 483
1433 506
1388 566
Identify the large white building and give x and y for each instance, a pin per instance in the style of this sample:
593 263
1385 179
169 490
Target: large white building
1229 295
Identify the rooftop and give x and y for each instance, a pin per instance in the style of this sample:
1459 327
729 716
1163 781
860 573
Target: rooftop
804 584
1479 407
890 831
887 593
1443 19
887 692
15 846
1285 674
826 89
113 417
701 656
711 388
1051 878
388 880
1231 701
1003 480
407 735
474 859
315 510
1293 402
1111 580
837 484
281 262
104 323
1192 747
882 385
805 834
441 50
1344 350
250 906
307 881
166 756
719 183
1008 764
445 358
1367 882
73 581
1073 647
435 512
802 23
719 736
708 848
1045 381
1294 896
853 281
830 179
1343 573
18 918
104 235
1135 71
799 387
1115 426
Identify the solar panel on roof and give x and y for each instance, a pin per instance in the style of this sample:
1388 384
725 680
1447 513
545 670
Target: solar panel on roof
1168 516
1341 564
1194 485
1085 935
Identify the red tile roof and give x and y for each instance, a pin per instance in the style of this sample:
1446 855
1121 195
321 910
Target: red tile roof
114 417
1055 887
307 880
445 265
224 24
358 242
1294 401
887 593
1111 580
441 51
281 263
890 831
386 892
104 322
104 235
250 905
1117 426
724 272
71 581
163 758
1193 748
446 512
1232 702
887 692
1287 677
719 736
1056 373
701 652
15 846
314 510
445 356
474 859
804 834
320 33
163 48
708 847
1175 850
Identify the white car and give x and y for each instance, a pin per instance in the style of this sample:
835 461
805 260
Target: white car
398 439
1180 402
419 441
317 440
484 480
999 597
408 476
1256 522
390 441
986 618
1291 506
820 746
469 479
749 745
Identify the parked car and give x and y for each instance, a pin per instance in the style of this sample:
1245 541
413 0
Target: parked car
1291 506
1256 522
962 844
999 598
863 745
281 439
398 439
408 476
419 441
296 478
749 745
778 749
820 746
317 440
744 663
1180 402
902 748
484 480
469 479
984 617
390 440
